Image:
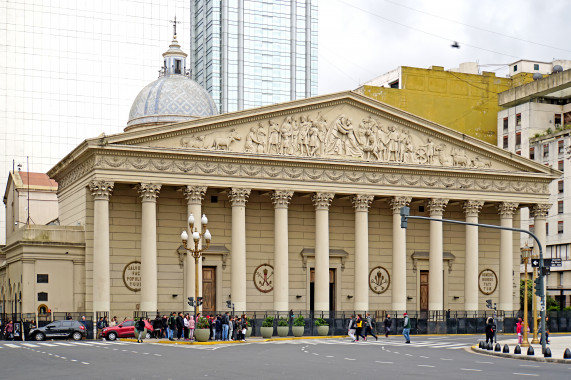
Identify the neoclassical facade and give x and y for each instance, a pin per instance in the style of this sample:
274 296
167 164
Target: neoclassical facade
303 203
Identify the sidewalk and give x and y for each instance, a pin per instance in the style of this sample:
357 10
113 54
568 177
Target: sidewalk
557 345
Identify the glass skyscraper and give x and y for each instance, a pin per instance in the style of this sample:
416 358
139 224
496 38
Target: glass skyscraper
249 53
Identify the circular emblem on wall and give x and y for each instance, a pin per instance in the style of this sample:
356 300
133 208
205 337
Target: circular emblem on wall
487 281
132 276
379 280
264 278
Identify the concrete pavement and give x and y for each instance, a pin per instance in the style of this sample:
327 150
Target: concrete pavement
557 345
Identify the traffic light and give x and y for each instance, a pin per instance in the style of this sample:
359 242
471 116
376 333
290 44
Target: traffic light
229 304
190 301
539 286
404 213
199 301
489 304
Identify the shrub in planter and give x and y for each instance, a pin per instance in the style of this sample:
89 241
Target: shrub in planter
268 327
298 326
202 330
248 327
283 327
322 326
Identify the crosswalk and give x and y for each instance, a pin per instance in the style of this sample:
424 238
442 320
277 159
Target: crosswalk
35 344
450 345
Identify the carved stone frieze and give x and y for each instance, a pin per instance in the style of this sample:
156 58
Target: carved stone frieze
540 210
322 201
281 198
239 196
436 206
397 202
194 194
362 202
507 209
101 189
149 192
472 208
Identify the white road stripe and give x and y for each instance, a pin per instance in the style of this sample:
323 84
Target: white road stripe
424 357
524 374
529 365
47 344
376 361
329 356
349 359
471 369
63 344
425 365
11 345
84 363
485 362
82 344
29 345
446 359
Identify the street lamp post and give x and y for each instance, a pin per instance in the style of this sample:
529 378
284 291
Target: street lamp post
525 254
535 319
196 251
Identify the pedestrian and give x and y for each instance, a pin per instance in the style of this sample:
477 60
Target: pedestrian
186 326
191 327
225 328
99 327
351 328
244 328
105 322
157 326
231 328
140 325
171 325
164 327
388 322
113 321
9 331
490 330
406 328
370 326
547 330
179 326
359 328
519 330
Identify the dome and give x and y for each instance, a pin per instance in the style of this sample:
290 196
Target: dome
171 98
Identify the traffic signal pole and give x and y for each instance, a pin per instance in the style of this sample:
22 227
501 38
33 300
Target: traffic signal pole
405 215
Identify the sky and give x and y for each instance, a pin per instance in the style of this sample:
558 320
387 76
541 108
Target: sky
362 39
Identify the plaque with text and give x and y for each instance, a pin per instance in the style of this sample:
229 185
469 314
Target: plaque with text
132 276
487 281
379 280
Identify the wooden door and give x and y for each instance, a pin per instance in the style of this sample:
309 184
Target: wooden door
208 290
423 290
331 289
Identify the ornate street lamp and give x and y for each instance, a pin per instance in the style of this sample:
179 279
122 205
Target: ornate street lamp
196 251
526 255
536 320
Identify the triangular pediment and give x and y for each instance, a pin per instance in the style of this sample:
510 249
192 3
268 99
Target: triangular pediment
344 126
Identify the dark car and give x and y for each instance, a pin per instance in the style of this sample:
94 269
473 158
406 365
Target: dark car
125 329
59 330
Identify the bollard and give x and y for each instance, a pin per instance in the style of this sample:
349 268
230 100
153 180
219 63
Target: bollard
530 351
498 347
481 344
506 349
567 354
489 347
547 353
517 350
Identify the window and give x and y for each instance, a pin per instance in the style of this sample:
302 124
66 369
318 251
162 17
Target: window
557 120
560 207
560 165
560 227
560 147
42 279
42 296
518 120
518 139
505 124
560 187
532 153
532 228
394 84
505 142
515 68
535 66
177 66
546 228
545 150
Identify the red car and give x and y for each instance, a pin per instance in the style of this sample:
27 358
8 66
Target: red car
125 329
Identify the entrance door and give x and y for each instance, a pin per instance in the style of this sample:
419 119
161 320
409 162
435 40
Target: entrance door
208 290
331 289
423 290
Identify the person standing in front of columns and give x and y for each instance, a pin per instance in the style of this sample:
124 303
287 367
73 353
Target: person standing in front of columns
387 324
370 326
406 328
351 329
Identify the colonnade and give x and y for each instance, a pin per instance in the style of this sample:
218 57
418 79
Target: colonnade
101 191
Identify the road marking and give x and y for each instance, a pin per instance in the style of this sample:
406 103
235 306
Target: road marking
376 361
349 359
329 356
485 362
471 369
135 352
84 363
47 344
446 359
11 345
425 365
50 354
315 353
383 348
396 352
408 354
157 354
63 344
29 345
145 353
529 365
63 357
81 344
73 360
124 350
424 357
524 374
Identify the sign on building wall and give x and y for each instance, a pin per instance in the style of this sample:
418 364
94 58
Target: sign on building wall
379 280
132 276
263 278
487 281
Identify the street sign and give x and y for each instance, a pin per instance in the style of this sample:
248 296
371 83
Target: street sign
535 263
556 262
546 262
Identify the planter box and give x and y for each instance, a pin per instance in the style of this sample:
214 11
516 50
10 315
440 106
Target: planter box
322 330
267 332
283 331
248 332
297 330
202 335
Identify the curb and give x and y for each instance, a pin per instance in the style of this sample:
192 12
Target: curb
519 357
256 340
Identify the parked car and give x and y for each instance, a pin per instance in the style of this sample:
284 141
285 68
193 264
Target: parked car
59 330
125 329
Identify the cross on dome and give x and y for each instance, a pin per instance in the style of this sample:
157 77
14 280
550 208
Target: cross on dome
174 25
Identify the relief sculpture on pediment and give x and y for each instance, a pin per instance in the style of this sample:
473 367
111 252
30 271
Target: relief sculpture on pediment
364 138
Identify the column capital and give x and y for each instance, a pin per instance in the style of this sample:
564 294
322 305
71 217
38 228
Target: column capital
194 194
281 198
397 202
507 209
472 208
101 189
239 196
540 210
149 192
362 202
322 201
436 206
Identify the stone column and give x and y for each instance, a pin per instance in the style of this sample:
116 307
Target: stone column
399 255
194 196
101 191
506 210
435 261
281 199
238 198
149 193
361 204
321 201
471 209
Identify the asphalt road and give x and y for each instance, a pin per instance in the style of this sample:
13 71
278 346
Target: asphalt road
426 357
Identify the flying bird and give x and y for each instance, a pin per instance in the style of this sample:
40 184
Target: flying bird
455 45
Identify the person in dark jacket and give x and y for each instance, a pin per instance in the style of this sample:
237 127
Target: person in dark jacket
140 326
172 325
388 322
359 328
164 327
490 330
179 325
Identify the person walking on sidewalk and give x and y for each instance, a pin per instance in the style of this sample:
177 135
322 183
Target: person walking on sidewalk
359 329
387 324
519 331
370 326
406 328
140 326
352 328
